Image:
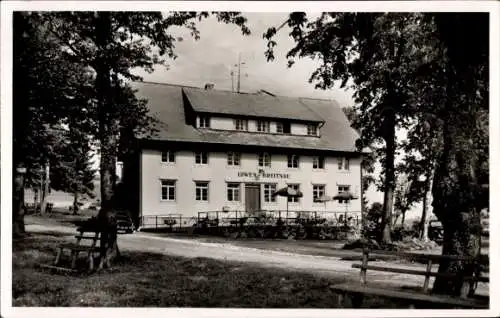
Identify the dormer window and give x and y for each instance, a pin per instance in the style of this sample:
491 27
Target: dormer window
279 128
282 127
263 126
241 124
312 130
204 122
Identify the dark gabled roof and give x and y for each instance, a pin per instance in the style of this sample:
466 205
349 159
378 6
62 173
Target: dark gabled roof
258 105
166 105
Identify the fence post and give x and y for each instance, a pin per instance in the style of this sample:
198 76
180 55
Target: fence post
363 266
237 221
156 221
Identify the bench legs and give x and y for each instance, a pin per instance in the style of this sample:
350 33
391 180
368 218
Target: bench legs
356 300
341 300
74 257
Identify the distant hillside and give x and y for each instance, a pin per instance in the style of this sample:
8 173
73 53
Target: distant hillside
63 199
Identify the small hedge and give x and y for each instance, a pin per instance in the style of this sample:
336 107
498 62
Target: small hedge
296 231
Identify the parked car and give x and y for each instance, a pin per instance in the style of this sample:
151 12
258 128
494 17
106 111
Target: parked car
435 231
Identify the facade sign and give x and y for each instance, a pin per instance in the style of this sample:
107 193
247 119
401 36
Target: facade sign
262 174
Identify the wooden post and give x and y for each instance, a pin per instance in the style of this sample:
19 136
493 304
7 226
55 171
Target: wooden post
427 276
91 261
74 256
237 221
363 266
58 256
156 221
340 300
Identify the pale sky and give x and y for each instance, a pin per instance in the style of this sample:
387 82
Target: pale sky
210 60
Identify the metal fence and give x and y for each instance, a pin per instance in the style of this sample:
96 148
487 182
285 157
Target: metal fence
171 221
221 218
274 217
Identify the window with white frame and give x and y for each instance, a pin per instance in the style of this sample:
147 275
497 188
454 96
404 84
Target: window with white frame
204 122
343 188
343 163
168 156
201 190
263 126
318 162
269 189
241 124
233 158
312 130
295 187
201 157
168 190
279 128
318 191
264 160
293 161
233 192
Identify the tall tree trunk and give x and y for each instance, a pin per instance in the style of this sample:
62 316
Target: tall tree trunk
45 187
389 182
403 215
455 194
35 198
395 220
18 202
426 205
75 203
108 143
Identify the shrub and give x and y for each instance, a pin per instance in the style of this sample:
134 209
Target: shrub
401 233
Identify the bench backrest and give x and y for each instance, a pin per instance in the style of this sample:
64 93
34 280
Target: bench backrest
87 238
429 259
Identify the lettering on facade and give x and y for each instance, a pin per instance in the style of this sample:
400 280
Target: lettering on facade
262 174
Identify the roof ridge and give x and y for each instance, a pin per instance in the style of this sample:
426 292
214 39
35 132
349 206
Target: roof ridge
166 84
226 90
316 98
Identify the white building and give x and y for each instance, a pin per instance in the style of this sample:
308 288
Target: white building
217 150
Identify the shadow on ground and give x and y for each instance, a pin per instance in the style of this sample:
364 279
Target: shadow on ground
143 279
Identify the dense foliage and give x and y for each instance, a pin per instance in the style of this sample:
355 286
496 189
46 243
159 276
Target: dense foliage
411 71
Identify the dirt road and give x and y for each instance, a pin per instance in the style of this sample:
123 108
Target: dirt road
192 248
322 265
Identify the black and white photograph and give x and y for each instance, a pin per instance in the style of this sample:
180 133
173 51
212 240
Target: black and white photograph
262 156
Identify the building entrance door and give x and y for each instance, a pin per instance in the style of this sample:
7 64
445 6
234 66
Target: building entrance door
252 197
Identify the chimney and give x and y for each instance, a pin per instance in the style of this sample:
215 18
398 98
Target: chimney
209 86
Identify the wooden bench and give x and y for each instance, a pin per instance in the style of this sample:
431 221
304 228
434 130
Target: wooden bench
423 295
91 238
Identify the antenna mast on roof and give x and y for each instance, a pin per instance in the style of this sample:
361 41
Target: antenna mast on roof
238 83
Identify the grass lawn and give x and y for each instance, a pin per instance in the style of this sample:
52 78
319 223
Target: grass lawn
146 279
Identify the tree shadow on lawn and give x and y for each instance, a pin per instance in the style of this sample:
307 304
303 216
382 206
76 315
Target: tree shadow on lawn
143 279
